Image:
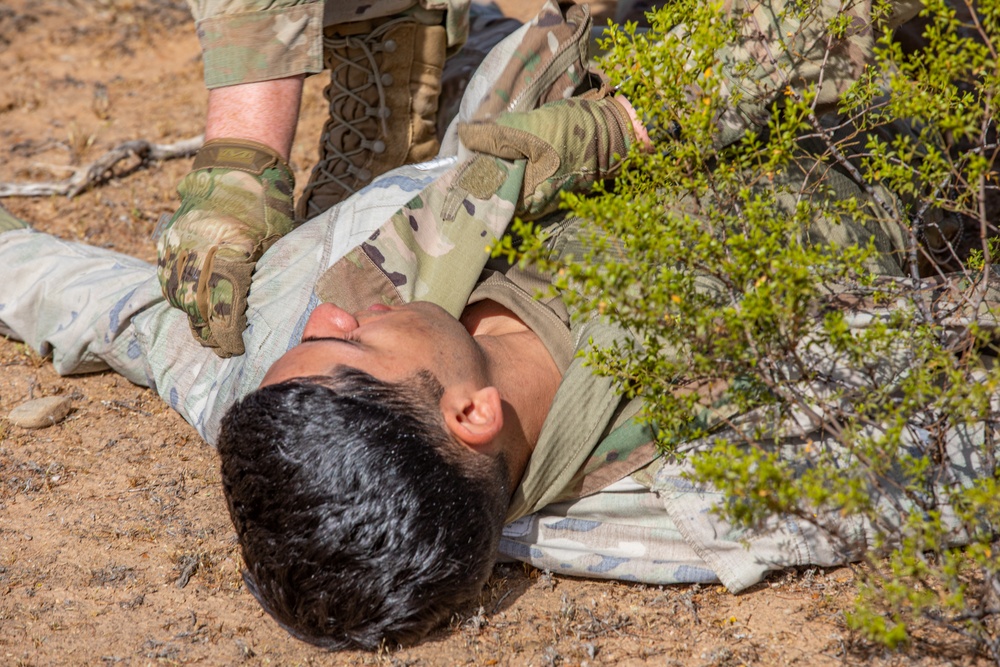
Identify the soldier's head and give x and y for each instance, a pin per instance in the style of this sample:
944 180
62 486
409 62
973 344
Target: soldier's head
362 478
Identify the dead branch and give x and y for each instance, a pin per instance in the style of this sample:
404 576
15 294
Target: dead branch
100 170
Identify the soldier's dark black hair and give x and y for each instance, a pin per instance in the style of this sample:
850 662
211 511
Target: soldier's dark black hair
360 519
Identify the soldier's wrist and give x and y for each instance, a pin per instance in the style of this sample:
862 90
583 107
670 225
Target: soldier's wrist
244 155
630 120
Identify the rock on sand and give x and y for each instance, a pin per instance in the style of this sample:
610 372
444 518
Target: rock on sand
41 412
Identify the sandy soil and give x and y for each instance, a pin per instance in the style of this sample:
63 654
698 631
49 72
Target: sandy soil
115 545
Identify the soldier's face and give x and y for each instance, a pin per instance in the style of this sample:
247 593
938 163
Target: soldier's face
390 343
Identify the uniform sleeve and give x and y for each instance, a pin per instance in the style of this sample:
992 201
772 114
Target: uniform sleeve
94 309
74 302
245 41
781 47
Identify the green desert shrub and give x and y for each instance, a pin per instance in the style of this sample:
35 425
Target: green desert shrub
751 267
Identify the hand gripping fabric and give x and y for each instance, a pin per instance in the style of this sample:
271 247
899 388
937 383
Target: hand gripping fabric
235 203
568 144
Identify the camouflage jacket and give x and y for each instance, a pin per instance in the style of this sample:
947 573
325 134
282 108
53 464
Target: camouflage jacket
93 309
260 40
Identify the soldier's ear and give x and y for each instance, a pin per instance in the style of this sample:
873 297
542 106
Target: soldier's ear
473 416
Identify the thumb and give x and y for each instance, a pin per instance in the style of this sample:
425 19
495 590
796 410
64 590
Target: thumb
510 143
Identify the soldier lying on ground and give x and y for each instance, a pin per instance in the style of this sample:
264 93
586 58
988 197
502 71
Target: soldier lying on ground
431 397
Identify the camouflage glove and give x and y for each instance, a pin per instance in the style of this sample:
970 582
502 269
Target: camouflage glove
569 145
235 203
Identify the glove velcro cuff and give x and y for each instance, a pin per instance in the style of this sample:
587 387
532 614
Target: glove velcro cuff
242 155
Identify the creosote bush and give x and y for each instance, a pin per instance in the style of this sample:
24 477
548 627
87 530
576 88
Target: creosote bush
806 264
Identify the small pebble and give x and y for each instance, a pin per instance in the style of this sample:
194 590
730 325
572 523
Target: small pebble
41 412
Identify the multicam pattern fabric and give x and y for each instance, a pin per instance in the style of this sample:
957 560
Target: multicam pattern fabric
455 14
786 44
235 203
622 533
490 27
128 326
548 63
656 526
259 40
436 246
254 40
93 309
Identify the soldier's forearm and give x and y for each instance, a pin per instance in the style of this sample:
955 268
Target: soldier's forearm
266 112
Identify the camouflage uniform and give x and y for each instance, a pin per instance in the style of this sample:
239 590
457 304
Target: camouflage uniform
594 501
258 40
776 53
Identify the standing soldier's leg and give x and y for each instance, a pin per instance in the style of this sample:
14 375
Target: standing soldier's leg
385 81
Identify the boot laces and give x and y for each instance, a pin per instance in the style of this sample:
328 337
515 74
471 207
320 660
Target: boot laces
361 54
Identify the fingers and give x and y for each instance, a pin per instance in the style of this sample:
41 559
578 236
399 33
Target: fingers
212 293
235 203
641 134
226 292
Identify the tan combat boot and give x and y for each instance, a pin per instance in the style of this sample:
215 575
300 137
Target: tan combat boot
383 94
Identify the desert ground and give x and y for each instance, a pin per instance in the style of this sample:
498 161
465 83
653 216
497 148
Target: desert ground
115 544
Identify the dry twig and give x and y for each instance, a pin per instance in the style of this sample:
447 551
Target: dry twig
100 170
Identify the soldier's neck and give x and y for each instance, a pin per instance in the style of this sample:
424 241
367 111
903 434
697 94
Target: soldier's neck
520 367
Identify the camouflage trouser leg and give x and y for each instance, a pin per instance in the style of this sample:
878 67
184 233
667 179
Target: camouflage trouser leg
455 14
260 40
621 533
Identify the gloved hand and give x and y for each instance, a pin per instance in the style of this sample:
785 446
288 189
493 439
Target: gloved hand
235 203
569 145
